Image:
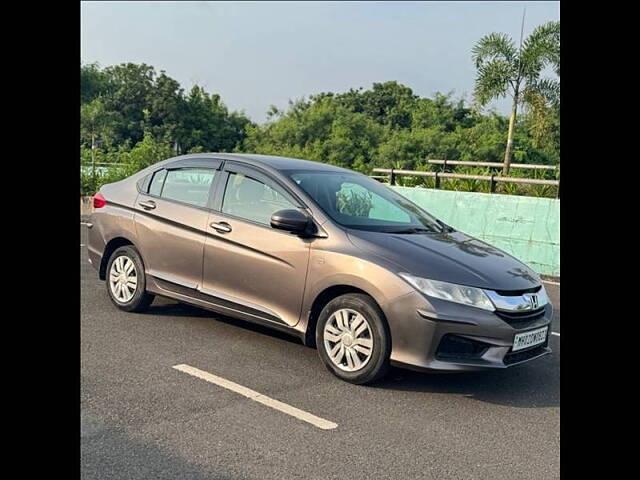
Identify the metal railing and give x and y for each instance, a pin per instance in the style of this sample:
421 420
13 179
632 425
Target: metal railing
392 173
490 164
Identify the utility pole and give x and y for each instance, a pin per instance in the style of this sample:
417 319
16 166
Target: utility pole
93 159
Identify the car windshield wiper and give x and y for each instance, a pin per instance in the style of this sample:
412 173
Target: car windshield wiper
445 228
412 230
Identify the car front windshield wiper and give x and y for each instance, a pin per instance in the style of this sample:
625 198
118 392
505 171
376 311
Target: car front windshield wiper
413 230
445 228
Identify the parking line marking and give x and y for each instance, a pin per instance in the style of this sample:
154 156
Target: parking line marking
258 397
555 333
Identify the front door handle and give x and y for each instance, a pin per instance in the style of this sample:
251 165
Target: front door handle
149 205
222 227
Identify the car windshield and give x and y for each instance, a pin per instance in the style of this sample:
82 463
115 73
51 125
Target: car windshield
356 201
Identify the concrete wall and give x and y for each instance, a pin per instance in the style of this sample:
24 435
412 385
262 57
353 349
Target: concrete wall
526 227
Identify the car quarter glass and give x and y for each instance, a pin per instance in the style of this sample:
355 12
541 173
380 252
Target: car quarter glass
157 181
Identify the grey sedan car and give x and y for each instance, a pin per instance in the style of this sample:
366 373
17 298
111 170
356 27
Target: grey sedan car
326 254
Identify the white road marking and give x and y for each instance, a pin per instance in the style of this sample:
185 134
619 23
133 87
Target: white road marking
555 333
84 223
82 244
258 397
551 283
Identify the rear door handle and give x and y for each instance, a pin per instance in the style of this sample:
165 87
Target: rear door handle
149 205
222 227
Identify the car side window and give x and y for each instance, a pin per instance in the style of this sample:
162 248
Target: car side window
253 200
156 182
188 185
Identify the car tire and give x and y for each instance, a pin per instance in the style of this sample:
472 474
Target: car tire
353 339
126 282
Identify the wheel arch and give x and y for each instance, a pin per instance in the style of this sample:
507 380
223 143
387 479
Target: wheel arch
109 248
322 299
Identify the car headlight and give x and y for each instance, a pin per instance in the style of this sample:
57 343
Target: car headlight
451 292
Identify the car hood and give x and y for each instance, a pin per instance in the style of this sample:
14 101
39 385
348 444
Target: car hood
449 257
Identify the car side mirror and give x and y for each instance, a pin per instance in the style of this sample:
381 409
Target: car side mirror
291 220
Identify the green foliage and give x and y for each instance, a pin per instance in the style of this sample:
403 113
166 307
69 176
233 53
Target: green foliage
469 185
93 82
134 117
120 104
337 129
321 130
504 69
90 183
121 163
208 124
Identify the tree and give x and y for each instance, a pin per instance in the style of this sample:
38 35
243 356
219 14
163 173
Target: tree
93 82
206 122
388 103
95 123
166 107
130 88
504 69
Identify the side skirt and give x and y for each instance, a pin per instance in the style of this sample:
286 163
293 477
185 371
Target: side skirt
194 297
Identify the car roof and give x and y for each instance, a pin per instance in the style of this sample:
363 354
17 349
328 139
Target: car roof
271 161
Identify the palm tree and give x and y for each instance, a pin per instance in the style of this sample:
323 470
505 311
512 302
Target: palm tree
504 69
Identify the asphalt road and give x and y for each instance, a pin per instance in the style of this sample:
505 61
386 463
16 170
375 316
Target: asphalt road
143 419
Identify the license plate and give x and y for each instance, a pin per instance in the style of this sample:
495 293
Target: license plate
529 339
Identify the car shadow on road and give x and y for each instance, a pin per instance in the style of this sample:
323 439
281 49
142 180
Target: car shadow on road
175 309
533 385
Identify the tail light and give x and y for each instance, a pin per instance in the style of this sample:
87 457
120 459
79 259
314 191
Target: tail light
99 201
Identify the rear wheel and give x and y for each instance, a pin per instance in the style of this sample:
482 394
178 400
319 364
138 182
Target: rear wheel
126 281
353 339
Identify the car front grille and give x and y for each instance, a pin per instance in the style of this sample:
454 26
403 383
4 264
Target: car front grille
521 319
517 293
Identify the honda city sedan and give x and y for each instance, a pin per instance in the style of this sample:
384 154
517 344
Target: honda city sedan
329 255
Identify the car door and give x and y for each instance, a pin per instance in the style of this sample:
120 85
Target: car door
171 222
251 268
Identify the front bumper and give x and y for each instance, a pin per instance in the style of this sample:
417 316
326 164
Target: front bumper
430 335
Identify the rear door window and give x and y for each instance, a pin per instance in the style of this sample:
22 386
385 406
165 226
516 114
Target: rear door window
188 185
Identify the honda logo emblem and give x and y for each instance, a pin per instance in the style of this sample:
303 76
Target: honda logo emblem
533 300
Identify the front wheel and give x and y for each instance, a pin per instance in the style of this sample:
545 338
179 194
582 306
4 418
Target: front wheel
126 282
353 339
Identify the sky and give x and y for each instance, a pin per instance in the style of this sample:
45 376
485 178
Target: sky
257 54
